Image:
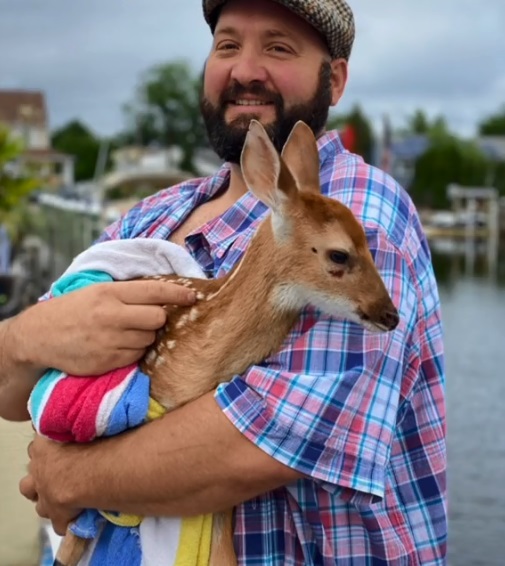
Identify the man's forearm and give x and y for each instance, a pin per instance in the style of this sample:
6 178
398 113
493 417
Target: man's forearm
191 461
17 375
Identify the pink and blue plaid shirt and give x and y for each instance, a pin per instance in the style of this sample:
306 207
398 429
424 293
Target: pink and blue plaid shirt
361 414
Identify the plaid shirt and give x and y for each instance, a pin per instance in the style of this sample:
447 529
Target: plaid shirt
361 414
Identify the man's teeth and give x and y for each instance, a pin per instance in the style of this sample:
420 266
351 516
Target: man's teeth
250 103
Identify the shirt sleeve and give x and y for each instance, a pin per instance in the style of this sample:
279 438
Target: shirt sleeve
327 403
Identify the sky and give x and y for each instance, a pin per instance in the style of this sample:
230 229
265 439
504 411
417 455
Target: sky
444 56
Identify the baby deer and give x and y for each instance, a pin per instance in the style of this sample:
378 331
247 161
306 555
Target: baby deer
310 250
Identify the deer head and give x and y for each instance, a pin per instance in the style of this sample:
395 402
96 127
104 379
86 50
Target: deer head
319 247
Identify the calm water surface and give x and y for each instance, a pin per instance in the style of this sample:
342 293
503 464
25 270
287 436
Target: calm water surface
473 301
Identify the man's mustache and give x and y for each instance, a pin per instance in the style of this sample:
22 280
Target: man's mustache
236 91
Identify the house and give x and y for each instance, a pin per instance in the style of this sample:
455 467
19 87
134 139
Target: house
24 113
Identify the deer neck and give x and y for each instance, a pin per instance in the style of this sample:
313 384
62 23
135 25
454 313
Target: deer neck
237 323
252 288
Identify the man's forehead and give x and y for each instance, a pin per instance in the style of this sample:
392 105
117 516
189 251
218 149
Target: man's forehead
237 15
333 20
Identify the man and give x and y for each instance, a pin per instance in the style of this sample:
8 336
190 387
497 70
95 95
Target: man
334 453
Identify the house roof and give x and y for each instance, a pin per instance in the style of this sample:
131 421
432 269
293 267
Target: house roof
23 106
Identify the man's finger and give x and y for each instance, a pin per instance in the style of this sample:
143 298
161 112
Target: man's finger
60 527
152 292
140 317
27 488
137 339
42 510
29 449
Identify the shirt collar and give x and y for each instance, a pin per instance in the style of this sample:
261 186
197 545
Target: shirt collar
245 214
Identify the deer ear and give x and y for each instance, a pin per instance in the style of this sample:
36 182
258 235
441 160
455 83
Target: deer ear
263 170
301 156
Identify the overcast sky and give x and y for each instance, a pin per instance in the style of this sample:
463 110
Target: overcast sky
446 56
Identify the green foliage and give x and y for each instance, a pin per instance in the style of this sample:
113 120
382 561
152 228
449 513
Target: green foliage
77 140
497 176
447 160
13 187
166 110
493 125
418 123
336 121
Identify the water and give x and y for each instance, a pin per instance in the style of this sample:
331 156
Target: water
473 301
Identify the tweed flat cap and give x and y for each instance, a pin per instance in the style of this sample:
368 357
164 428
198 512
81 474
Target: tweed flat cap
333 19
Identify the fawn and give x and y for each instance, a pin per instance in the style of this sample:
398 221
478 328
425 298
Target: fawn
310 250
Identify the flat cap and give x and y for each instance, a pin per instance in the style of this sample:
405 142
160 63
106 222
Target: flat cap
333 19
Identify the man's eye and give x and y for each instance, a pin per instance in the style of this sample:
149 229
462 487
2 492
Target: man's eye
227 46
280 49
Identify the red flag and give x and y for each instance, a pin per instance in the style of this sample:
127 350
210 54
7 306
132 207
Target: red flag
348 138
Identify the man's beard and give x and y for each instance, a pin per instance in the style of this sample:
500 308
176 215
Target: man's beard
227 140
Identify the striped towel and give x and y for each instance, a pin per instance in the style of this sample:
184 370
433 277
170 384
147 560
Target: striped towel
70 408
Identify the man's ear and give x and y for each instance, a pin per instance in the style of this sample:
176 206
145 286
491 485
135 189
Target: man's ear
339 74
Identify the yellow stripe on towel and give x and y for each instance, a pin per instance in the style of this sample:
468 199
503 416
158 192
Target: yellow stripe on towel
122 519
196 532
194 541
154 411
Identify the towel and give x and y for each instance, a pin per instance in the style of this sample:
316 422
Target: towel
71 408
128 259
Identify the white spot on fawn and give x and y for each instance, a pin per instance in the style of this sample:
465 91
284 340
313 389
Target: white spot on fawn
185 282
151 356
182 321
170 345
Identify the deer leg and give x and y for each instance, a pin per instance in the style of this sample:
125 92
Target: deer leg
222 552
71 550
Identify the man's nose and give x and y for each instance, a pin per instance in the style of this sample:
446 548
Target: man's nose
248 68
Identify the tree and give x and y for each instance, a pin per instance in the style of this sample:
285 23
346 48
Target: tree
166 109
493 125
362 135
14 185
447 160
438 129
418 123
76 139
336 121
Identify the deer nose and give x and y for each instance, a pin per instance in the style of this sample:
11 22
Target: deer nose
390 319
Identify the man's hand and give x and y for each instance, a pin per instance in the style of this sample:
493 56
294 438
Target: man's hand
96 329
47 455
191 461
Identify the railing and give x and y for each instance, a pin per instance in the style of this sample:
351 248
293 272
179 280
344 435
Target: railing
63 229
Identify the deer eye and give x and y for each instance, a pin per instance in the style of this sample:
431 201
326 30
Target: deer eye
338 257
